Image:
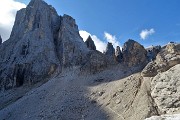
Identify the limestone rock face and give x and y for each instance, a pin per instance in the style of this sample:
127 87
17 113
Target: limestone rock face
110 54
0 40
41 41
165 59
165 90
96 62
110 51
165 117
152 52
90 43
70 47
118 54
134 53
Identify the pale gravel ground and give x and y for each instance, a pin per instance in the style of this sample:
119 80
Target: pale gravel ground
165 117
113 94
69 96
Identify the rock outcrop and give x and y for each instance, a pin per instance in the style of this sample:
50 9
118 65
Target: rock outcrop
118 54
96 62
165 59
152 52
110 51
70 48
90 43
165 117
0 40
41 41
110 54
134 53
165 90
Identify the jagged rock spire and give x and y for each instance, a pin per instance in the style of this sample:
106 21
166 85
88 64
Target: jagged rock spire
110 49
118 54
90 43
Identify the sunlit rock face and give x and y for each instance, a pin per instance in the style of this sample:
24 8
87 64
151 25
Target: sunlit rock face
134 53
168 56
41 41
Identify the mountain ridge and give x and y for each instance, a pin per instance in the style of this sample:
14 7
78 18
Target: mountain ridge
45 64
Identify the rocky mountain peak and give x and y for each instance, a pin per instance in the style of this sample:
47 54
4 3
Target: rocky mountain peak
90 43
34 3
134 53
110 49
76 81
40 43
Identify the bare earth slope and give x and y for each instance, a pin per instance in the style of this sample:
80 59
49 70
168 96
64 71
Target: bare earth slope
108 95
102 96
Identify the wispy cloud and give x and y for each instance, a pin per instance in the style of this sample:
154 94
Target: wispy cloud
100 45
146 33
111 38
7 16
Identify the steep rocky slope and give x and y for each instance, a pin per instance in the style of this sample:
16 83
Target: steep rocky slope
48 72
41 41
113 94
106 95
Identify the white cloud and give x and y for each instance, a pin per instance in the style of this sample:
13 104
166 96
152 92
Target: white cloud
112 39
100 45
7 16
146 33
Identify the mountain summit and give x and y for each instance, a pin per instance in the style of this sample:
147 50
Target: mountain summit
41 41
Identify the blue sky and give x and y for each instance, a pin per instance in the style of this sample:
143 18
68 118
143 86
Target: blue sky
125 19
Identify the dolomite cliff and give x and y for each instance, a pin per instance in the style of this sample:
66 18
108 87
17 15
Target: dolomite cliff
48 72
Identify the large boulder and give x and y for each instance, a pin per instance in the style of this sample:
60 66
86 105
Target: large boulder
90 43
134 53
165 59
40 42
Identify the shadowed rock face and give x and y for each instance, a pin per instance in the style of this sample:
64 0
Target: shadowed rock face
0 40
90 43
40 42
110 50
110 54
118 54
134 53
